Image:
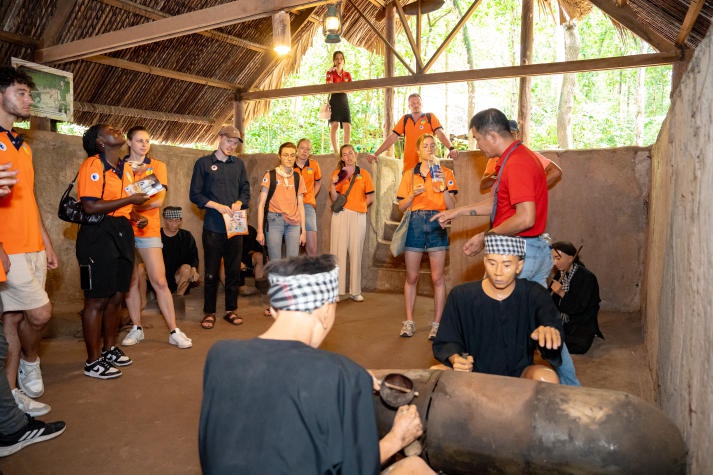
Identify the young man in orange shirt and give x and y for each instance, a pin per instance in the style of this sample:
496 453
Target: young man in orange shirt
25 248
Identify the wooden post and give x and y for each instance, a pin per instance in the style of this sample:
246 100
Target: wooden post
390 20
43 123
526 42
239 119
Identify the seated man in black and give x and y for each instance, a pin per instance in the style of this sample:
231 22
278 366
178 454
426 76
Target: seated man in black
180 254
494 325
251 264
277 404
575 291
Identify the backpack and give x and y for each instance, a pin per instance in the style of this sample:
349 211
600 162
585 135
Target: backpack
409 116
271 192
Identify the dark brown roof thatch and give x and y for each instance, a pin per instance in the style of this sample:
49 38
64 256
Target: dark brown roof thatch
182 88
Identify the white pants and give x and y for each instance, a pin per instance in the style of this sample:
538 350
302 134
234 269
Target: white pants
348 231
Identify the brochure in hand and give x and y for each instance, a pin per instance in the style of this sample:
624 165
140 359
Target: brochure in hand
237 225
149 185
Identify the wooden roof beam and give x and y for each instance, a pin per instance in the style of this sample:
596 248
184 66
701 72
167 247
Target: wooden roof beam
623 14
59 19
409 35
452 35
141 113
579 66
386 42
14 38
689 21
167 73
159 15
171 27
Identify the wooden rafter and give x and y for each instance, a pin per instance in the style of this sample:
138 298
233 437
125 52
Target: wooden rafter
545 69
141 113
19 40
167 73
627 17
54 26
450 37
689 21
386 42
171 27
159 15
409 35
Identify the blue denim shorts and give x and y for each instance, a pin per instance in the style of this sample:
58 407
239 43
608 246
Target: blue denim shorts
424 234
310 218
147 242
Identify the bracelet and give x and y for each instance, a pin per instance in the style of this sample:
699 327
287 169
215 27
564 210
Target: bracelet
451 148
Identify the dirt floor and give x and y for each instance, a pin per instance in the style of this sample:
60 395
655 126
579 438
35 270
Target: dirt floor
146 422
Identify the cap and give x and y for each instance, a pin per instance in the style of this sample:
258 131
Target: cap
172 212
231 132
505 245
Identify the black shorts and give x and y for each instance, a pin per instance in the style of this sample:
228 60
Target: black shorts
108 249
340 108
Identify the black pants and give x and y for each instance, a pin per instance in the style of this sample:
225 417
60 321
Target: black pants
215 247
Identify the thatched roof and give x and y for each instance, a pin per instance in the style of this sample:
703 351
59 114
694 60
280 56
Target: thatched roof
182 88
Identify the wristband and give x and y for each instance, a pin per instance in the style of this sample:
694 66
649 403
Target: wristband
451 148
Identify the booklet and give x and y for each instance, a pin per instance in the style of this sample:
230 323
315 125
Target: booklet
149 185
237 225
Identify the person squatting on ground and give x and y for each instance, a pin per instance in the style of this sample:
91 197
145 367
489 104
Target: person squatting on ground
26 250
281 212
180 253
493 326
339 102
311 174
148 244
220 185
517 206
348 226
411 127
310 411
426 194
105 251
575 291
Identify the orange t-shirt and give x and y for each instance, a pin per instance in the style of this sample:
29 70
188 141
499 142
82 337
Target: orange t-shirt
411 131
356 201
95 173
429 199
153 228
310 174
19 214
284 201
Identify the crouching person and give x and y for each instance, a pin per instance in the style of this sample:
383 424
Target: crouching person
277 404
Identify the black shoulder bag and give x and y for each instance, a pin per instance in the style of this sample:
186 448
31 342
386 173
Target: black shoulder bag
72 211
341 200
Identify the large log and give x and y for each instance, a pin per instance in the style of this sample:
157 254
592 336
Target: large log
477 423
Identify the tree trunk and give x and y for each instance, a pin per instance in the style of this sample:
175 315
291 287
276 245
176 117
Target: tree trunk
526 42
470 56
640 113
569 83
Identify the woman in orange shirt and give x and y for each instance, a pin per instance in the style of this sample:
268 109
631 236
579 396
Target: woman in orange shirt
339 101
105 251
285 212
148 244
427 189
348 227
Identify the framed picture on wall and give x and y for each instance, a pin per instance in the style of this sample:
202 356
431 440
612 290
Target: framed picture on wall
53 95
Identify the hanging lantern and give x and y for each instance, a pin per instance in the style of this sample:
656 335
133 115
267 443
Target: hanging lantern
332 23
281 38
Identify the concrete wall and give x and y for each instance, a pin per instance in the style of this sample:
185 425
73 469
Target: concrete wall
600 203
678 306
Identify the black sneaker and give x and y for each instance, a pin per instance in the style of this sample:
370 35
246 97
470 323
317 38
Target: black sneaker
116 357
101 369
35 431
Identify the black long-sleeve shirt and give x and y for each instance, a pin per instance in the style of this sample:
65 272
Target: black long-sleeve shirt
223 182
178 250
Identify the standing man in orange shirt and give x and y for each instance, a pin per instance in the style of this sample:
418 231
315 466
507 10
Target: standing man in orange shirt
311 175
26 247
411 127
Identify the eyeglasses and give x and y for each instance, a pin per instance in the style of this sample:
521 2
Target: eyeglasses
288 155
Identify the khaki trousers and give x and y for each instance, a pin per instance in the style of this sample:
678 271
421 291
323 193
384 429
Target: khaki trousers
347 234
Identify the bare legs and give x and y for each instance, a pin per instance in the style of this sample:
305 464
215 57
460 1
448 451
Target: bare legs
334 126
437 260
100 322
23 332
153 260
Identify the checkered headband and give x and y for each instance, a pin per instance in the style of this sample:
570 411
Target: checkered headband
303 292
505 245
172 213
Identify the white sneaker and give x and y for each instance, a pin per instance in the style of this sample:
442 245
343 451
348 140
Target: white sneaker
29 405
434 331
135 335
357 298
408 328
29 378
178 338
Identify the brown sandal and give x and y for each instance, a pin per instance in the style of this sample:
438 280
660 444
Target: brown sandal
233 318
208 321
